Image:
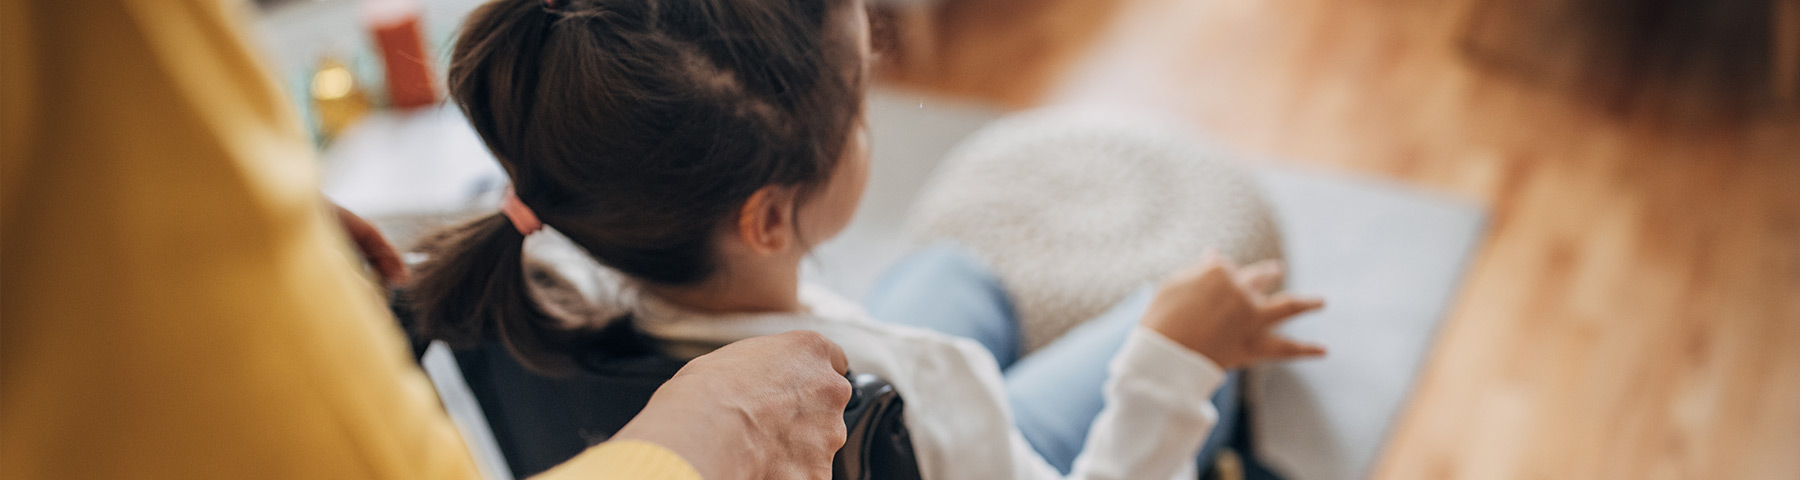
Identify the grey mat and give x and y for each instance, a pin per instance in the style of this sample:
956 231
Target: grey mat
1387 257
1388 260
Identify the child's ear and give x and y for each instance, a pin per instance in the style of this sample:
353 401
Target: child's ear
766 221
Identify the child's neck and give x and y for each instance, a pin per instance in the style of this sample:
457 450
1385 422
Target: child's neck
762 286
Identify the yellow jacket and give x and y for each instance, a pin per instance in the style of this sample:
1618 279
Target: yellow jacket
174 302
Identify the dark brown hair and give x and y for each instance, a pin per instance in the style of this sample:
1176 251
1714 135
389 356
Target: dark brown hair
636 128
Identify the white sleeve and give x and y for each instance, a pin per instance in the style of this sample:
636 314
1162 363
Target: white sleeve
1158 412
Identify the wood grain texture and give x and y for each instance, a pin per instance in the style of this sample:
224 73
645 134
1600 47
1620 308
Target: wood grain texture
1635 311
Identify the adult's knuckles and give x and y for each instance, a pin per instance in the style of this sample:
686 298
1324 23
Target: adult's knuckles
810 340
834 388
836 434
813 345
822 456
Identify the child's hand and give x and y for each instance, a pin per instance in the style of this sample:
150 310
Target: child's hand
1227 313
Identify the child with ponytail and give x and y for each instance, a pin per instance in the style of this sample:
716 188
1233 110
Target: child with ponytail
699 148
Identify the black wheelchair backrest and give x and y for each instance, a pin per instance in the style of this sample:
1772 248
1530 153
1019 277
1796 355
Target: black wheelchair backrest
540 421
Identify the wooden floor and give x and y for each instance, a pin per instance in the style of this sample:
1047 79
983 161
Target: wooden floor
1635 310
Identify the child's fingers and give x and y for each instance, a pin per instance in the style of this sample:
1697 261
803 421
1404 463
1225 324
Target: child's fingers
1222 258
1282 348
1283 306
1209 262
1263 276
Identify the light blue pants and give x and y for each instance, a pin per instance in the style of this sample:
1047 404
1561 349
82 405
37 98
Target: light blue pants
1056 390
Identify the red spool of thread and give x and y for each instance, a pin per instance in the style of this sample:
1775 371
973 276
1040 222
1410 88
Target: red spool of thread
395 25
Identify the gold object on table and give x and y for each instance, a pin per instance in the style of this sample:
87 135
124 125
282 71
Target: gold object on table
337 98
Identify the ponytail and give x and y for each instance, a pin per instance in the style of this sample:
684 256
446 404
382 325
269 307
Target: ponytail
637 129
473 289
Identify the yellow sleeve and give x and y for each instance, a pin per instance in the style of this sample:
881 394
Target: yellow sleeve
624 460
175 302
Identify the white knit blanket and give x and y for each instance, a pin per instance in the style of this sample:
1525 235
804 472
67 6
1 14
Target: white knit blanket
1076 208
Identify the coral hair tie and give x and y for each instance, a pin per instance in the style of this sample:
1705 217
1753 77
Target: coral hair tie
522 217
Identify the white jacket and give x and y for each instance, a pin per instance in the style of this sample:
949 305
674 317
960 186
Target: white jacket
1158 399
